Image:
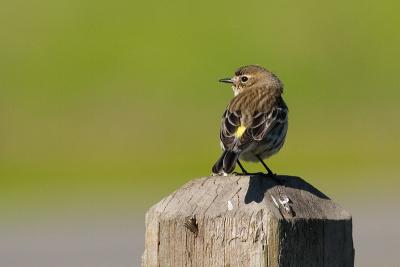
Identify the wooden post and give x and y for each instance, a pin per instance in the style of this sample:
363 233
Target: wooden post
248 221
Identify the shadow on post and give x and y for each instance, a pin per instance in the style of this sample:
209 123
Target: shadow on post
259 184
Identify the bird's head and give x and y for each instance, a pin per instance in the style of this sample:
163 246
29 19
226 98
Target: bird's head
253 76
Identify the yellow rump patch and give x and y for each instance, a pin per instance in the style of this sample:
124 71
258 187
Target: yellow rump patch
239 132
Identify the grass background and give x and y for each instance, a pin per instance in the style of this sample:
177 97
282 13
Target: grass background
109 106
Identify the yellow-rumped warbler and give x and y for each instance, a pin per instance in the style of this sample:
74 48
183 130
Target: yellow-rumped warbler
255 123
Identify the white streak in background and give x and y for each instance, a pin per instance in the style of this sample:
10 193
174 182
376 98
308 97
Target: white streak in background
88 242
275 202
119 240
230 205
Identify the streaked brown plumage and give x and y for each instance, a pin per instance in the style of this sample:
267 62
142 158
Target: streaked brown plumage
254 124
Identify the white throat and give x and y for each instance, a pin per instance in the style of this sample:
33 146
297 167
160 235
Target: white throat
235 90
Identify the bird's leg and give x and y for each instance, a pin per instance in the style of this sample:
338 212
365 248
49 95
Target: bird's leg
241 167
270 173
246 172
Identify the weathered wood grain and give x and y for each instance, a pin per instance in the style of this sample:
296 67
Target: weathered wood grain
248 221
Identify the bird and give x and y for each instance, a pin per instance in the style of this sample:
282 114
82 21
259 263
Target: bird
255 122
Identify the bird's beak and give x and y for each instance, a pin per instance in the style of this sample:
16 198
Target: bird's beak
226 80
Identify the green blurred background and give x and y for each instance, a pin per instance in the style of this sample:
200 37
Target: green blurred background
106 107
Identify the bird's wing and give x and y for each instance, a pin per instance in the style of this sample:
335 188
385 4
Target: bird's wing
263 122
236 137
233 134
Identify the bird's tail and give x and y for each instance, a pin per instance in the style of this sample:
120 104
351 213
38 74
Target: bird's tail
226 163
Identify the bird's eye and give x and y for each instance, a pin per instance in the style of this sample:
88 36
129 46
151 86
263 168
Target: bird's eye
244 79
